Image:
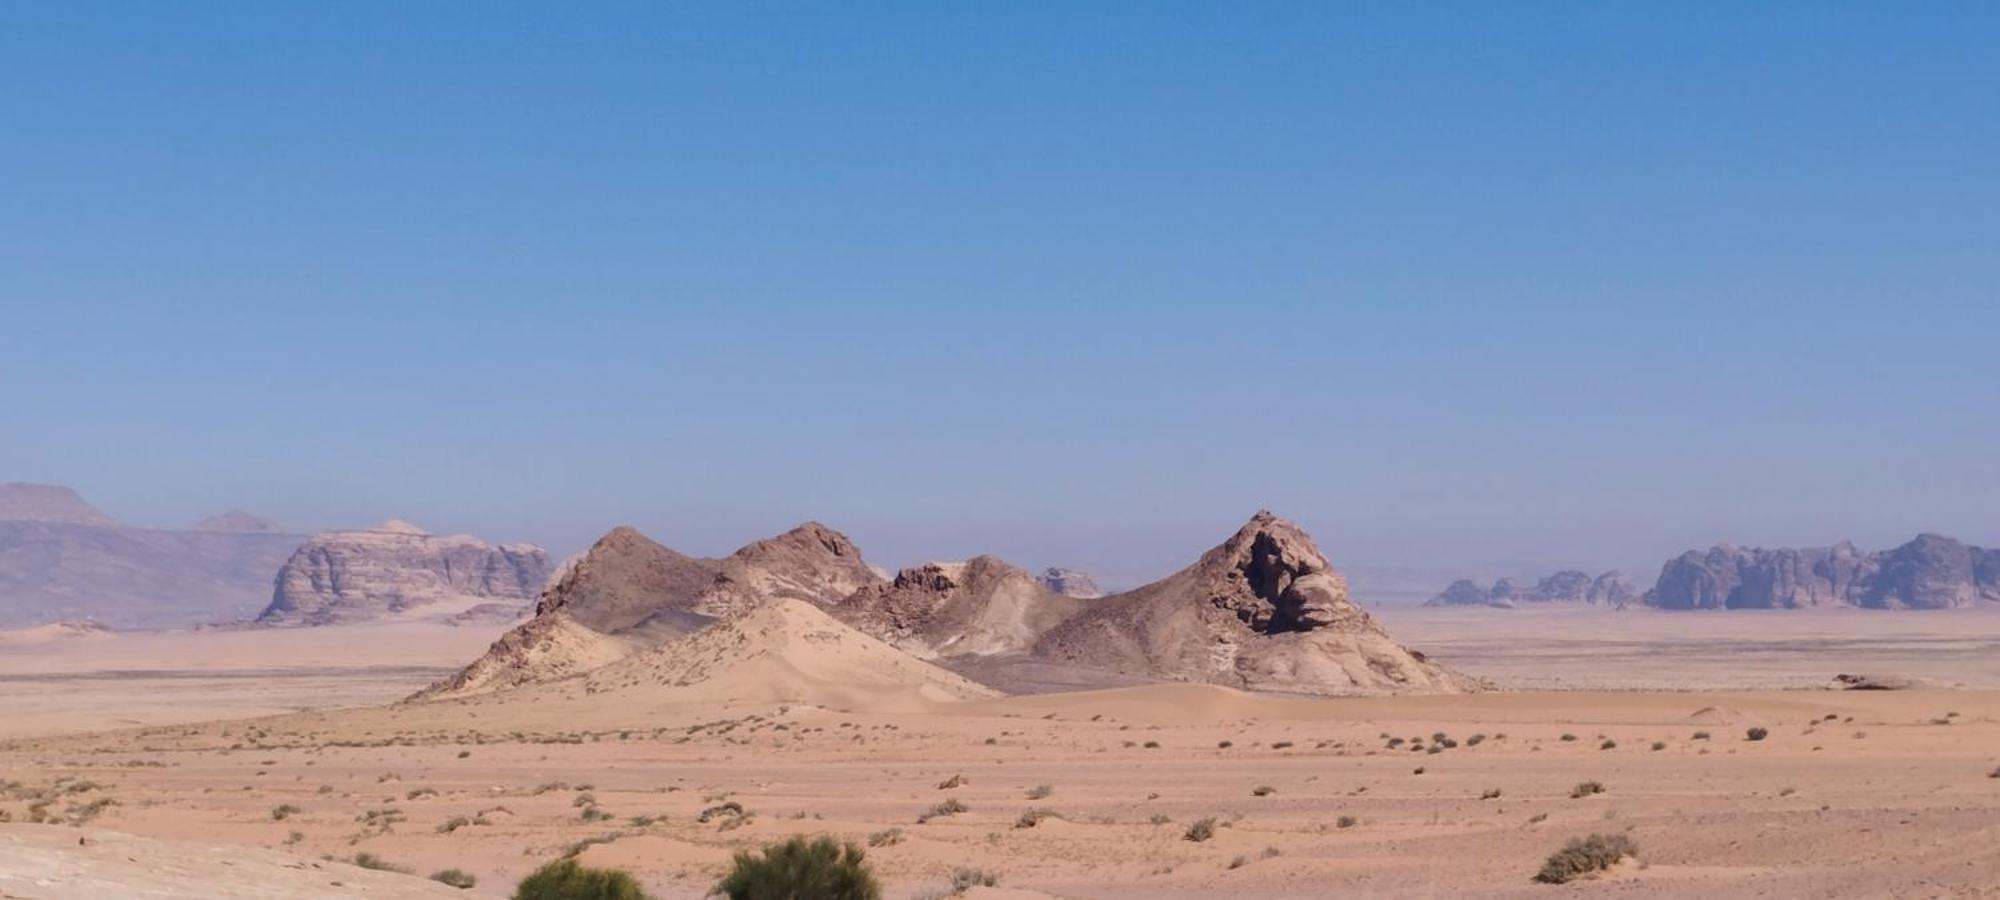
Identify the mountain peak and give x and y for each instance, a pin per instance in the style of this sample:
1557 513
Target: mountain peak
24 502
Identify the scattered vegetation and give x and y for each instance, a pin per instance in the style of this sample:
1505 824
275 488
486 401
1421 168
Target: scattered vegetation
1585 789
819 868
1033 817
1201 830
1608 744
888 837
1041 791
566 879
1757 733
284 811
963 879
458 878
950 807
1585 856
367 860
1346 822
955 781
1263 790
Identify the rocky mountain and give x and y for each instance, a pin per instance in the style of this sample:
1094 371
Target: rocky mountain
396 570
1070 583
1263 611
237 521
21 502
628 593
1570 586
981 607
1929 572
60 558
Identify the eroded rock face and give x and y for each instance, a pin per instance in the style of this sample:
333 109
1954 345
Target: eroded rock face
237 521
1930 572
979 607
1070 583
360 576
812 563
1264 610
627 579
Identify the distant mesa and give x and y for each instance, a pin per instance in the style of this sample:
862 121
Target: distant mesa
397 570
1070 583
237 521
22 502
1570 586
1929 572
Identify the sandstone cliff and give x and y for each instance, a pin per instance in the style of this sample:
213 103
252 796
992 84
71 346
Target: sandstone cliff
397 570
1929 572
1570 586
982 606
1070 583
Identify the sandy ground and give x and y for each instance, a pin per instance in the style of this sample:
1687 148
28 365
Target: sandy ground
1852 794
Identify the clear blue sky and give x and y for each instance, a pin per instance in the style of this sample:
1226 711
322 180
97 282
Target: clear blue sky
1074 283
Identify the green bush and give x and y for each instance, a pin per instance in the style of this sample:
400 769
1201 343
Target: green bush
1583 856
821 868
565 879
458 878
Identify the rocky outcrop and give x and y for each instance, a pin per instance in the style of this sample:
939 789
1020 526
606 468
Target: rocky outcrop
627 580
1570 586
628 593
20 502
1070 583
1929 572
979 607
1263 611
812 563
397 570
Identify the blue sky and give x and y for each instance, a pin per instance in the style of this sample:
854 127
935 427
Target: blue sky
1087 284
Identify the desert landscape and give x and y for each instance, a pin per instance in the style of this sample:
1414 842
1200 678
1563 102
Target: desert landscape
1001 451
711 707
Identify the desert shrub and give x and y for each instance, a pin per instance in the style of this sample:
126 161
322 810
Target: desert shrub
1757 734
795 868
952 782
458 878
1041 791
566 879
1995 773
1034 817
1701 735
594 814
964 879
1568 737
1163 818
1583 856
728 808
1346 822
1608 744
1224 745
1585 789
1475 740
284 811
1202 829
1263 790
1152 745
1281 745
888 837
1490 794
949 807
367 860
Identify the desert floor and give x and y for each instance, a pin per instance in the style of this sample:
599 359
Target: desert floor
1852 794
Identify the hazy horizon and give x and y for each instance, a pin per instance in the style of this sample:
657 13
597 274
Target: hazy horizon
1467 288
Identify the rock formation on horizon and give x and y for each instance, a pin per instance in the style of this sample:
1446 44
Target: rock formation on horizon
398 569
1929 572
979 607
1569 586
236 521
1262 611
61 558
23 502
1070 583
